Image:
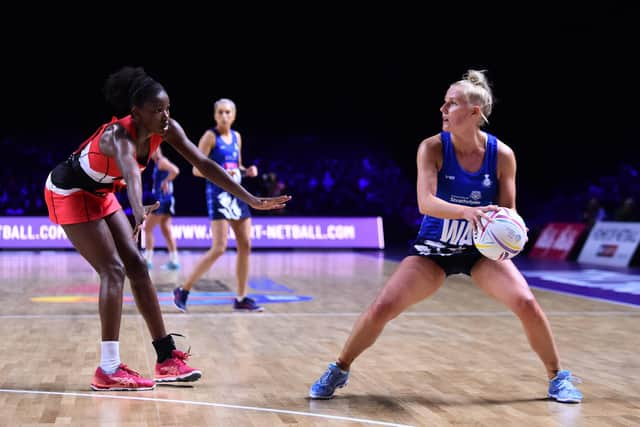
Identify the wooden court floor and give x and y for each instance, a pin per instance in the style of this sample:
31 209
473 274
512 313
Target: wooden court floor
456 359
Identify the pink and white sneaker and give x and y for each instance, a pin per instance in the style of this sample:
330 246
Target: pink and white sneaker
123 379
176 370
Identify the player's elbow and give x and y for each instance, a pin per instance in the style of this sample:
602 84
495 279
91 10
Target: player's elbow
424 205
427 203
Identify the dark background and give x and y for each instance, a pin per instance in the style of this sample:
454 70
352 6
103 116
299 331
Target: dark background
565 81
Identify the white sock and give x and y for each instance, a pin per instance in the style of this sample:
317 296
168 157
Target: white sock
173 256
148 254
239 298
110 356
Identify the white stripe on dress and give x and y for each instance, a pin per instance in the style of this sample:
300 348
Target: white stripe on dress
61 191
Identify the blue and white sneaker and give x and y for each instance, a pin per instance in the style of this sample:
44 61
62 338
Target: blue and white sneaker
332 379
171 265
561 388
180 299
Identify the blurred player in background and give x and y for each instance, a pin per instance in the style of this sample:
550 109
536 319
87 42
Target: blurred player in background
223 145
164 172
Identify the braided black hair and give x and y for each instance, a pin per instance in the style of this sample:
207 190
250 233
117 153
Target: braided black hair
130 86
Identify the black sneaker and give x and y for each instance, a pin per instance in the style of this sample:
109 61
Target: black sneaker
246 304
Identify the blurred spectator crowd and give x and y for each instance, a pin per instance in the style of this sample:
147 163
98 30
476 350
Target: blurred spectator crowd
333 179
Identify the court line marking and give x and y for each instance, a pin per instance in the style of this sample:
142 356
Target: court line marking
210 404
259 316
571 294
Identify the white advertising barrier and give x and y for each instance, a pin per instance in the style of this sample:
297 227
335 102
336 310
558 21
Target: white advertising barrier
611 243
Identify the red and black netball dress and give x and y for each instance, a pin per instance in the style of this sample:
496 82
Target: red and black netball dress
81 188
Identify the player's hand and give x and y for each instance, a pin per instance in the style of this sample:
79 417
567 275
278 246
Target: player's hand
140 221
268 203
251 171
164 186
475 215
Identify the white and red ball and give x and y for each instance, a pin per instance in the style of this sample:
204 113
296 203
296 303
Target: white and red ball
503 238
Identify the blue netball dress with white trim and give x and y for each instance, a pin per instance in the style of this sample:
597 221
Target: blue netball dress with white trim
221 204
444 237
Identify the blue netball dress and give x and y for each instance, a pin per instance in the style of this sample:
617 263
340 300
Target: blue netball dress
221 204
449 242
167 201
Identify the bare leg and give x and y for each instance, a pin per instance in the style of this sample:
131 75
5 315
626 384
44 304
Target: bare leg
149 224
219 231
143 290
242 230
165 227
93 240
415 279
503 281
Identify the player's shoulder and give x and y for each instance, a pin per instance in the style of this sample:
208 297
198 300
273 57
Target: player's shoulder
431 143
175 125
503 148
115 126
210 135
116 130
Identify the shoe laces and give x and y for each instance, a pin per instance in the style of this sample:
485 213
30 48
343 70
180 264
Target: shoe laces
325 379
247 301
128 370
569 381
181 356
178 355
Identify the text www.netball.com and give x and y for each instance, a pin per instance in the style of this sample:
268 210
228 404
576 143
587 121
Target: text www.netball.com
201 232
273 232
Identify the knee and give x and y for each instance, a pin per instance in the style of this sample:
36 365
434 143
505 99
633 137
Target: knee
215 252
527 307
136 268
382 310
243 246
112 272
